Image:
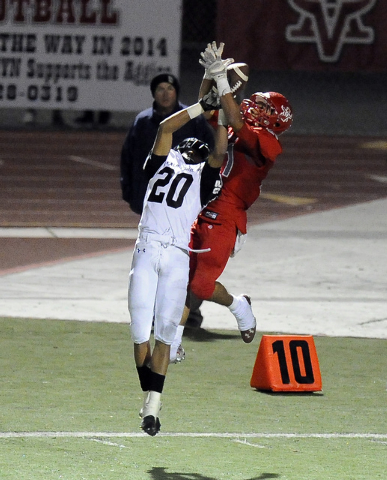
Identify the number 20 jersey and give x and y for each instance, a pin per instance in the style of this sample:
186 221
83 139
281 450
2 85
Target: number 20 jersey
175 196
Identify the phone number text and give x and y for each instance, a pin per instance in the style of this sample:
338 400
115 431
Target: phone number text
43 93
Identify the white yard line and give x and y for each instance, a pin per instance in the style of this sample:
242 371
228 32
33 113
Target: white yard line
101 435
61 232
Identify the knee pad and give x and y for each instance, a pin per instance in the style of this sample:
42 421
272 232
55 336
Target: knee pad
165 330
140 333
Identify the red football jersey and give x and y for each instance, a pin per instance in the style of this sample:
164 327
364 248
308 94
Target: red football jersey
251 154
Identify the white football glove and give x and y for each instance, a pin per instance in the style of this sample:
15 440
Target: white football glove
212 60
215 67
210 54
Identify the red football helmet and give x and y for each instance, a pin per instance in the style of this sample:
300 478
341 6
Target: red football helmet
270 110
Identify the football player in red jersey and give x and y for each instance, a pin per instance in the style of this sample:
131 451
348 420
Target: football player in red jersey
254 127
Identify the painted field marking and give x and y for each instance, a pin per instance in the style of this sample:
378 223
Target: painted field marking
62 260
378 178
92 163
376 144
69 232
105 442
101 435
245 442
295 201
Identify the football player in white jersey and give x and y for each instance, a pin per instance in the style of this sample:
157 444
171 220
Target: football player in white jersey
182 181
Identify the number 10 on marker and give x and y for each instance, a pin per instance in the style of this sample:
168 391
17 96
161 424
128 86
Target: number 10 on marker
287 363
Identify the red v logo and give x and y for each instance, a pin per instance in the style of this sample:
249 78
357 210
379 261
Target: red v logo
330 24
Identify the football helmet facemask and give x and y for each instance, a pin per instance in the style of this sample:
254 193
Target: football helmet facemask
191 146
270 110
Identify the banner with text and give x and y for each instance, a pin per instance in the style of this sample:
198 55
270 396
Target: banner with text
319 35
86 54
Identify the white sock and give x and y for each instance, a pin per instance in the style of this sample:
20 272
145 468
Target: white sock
144 402
145 397
235 303
243 313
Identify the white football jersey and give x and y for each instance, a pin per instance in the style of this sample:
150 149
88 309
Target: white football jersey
172 201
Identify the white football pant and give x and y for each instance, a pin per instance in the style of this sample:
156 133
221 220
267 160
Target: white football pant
158 283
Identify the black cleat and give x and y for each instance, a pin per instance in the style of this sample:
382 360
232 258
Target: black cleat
151 425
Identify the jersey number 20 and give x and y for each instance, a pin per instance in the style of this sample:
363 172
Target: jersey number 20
174 201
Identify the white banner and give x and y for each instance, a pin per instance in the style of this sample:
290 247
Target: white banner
86 54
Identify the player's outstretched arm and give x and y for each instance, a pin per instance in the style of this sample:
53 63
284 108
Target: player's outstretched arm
216 68
232 111
163 141
208 56
216 157
208 94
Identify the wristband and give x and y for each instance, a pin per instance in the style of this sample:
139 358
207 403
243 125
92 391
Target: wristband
194 110
222 120
223 85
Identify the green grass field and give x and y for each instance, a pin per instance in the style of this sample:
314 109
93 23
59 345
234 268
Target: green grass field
70 399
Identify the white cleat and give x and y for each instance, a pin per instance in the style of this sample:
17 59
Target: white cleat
180 355
246 320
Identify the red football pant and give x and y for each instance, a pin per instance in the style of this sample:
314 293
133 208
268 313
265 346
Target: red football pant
206 268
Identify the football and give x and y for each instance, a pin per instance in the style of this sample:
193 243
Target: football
238 75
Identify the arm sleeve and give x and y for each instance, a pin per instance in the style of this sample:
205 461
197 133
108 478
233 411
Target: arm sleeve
210 184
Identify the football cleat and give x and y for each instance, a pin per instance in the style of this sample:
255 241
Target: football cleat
246 320
151 425
150 414
180 355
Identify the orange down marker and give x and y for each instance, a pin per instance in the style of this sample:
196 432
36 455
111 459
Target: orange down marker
287 363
